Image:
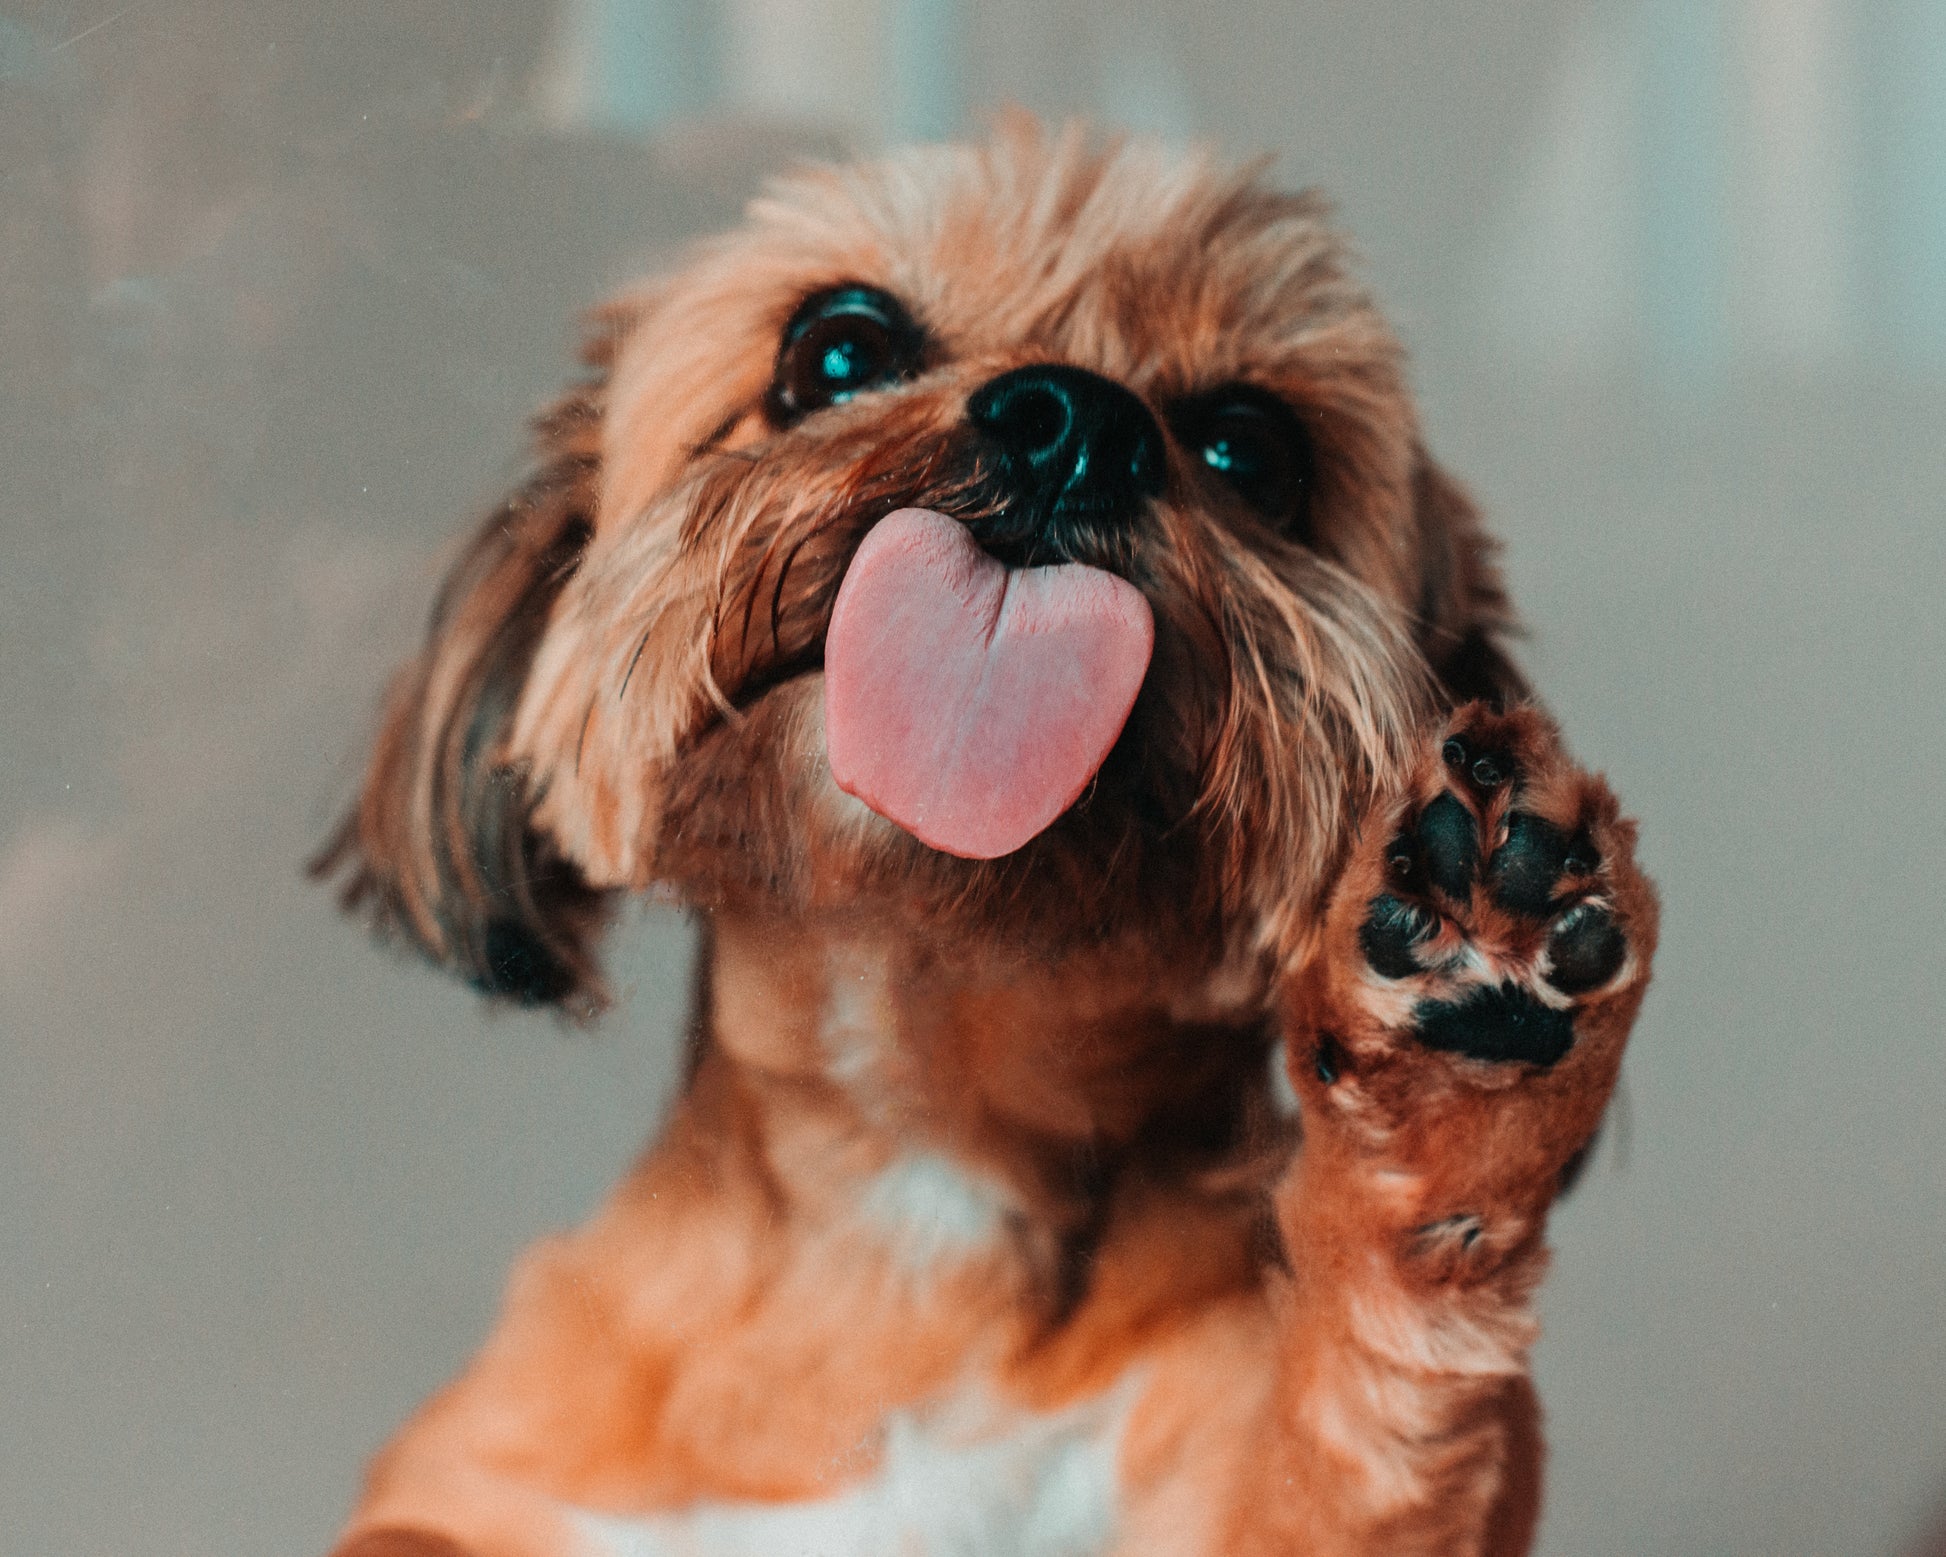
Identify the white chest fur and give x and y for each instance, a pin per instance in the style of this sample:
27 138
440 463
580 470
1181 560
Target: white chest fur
963 1480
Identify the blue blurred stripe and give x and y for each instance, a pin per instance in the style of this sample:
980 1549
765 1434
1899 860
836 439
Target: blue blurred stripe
1684 238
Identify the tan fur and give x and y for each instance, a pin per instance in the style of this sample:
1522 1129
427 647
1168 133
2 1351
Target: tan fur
998 1133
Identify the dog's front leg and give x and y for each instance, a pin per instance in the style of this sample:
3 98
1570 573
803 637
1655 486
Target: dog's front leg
1453 1049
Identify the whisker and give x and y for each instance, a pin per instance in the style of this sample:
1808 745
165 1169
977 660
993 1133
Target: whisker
635 659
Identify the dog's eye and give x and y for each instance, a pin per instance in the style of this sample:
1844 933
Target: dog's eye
1254 442
838 344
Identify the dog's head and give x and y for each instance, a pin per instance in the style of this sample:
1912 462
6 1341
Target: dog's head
1062 354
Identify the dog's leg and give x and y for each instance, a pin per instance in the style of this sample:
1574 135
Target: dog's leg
1453 1048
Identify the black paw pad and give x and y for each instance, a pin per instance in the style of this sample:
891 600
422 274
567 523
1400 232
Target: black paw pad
1391 930
1483 767
1586 949
1449 842
1527 867
1500 1024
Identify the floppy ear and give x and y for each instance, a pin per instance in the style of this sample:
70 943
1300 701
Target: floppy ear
1464 614
440 850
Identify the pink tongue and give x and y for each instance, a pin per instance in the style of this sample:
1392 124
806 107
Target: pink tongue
970 702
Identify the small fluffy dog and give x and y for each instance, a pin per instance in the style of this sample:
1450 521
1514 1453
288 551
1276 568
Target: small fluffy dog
1157 968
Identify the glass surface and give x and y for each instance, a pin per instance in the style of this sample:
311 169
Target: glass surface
279 283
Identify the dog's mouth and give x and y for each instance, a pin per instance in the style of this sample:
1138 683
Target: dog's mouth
970 702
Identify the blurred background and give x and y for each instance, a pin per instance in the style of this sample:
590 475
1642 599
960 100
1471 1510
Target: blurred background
279 281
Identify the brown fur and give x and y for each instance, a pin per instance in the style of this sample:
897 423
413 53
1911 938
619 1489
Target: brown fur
621 693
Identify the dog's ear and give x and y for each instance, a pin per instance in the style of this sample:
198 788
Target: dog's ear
1464 614
440 850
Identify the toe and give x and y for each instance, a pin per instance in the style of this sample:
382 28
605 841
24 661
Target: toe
1526 870
1449 843
1392 930
1586 949
1482 765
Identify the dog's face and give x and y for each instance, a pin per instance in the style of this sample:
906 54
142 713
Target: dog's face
1120 359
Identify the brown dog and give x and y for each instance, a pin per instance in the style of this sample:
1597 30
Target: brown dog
1063 508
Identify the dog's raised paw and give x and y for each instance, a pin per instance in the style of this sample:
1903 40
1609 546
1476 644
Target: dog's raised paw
1500 908
1485 951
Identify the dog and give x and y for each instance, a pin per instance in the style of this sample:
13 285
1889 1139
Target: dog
1157 964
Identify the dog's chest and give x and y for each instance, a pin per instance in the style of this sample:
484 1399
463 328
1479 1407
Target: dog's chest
963 1479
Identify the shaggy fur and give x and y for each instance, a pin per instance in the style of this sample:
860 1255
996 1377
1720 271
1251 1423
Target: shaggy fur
982 1224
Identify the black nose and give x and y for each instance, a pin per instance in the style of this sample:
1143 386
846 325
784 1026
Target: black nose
1071 442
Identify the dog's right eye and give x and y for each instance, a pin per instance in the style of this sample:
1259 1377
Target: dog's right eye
1254 443
839 344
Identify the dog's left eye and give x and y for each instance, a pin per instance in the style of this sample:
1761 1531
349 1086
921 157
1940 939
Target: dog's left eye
1255 444
839 344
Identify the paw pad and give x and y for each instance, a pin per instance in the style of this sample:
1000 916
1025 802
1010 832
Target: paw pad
1392 929
1483 768
1501 1023
1495 911
1527 868
1449 845
1586 949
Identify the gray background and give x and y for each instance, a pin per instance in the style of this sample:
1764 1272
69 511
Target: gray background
278 283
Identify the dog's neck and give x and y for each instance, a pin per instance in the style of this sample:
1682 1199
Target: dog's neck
872 1059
